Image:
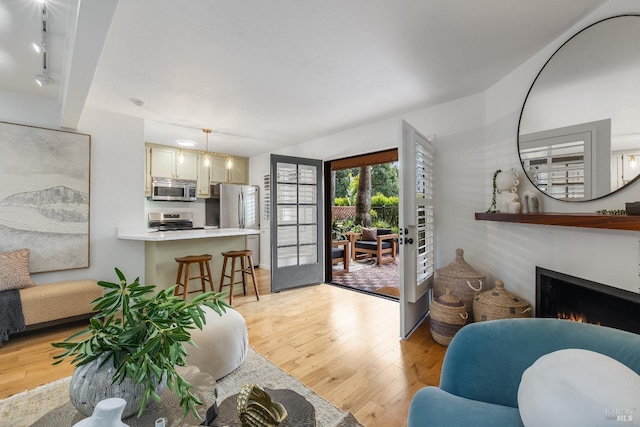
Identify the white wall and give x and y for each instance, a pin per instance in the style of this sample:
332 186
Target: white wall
474 137
117 160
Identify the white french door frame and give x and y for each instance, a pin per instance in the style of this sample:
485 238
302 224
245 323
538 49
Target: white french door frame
297 242
416 234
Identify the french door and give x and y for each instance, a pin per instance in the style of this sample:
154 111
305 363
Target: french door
296 230
416 234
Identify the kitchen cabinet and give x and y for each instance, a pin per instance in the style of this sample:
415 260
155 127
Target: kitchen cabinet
238 171
163 162
186 165
204 177
219 169
167 162
170 162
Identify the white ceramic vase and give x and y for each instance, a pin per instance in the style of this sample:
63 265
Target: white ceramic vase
107 413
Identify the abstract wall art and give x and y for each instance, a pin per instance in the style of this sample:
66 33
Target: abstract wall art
44 195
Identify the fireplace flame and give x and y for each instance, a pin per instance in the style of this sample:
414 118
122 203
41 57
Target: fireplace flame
575 317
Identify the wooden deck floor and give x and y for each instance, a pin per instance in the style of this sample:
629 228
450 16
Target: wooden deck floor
342 344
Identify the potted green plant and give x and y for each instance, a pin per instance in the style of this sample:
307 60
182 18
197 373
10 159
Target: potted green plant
140 337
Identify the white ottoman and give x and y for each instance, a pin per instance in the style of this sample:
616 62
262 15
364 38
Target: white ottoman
222 343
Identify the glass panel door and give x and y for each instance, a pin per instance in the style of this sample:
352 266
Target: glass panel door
296 244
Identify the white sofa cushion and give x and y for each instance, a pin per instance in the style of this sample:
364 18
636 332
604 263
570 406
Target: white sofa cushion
576 387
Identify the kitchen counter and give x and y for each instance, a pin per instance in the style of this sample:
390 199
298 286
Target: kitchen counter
165 236
163 247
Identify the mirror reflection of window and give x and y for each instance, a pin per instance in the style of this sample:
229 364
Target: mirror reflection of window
565 162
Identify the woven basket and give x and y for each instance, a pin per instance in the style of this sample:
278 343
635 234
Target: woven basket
462 279
498 303
448 315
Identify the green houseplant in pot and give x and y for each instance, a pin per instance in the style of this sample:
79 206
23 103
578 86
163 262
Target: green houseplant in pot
136 340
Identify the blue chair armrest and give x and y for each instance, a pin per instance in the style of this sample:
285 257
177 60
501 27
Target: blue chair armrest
433 407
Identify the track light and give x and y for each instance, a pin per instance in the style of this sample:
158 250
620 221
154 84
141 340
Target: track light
43 79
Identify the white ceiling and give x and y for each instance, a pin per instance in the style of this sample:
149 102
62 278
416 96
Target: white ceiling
266 74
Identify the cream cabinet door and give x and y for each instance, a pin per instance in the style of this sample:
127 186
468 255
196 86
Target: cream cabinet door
238 171
218 169
163 162
187 165
204 177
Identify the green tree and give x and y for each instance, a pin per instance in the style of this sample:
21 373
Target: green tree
363 199
342 181
384 179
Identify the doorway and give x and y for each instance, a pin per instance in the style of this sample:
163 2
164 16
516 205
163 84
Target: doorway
362 217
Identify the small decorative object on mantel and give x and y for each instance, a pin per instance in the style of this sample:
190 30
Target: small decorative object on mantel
531 202
255 408
632 208
507 185
448 316
499 303
461 279
492 208
614 212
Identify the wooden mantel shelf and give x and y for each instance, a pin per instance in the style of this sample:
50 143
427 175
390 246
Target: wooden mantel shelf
612 222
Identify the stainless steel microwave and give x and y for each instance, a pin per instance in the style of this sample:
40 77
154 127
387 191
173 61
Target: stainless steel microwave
174 190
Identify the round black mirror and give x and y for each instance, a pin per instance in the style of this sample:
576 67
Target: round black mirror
579 129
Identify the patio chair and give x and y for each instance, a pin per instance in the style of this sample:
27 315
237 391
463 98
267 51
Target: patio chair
376 242
340 252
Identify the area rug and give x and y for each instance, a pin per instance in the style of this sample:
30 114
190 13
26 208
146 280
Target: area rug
369 277
23 409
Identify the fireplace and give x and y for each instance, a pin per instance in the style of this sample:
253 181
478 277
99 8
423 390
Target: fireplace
562 296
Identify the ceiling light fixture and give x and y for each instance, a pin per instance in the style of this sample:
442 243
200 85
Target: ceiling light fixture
43 79
185 143
207 162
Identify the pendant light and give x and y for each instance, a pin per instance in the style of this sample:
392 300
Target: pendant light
207 162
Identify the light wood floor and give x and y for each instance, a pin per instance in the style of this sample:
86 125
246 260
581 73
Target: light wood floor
342 344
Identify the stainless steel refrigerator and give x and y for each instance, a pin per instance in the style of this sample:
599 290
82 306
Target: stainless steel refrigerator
235 206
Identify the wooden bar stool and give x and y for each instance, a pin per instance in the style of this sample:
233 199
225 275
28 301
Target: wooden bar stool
184 265
244 271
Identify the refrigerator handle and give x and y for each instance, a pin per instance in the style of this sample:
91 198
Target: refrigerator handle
240 209
242 206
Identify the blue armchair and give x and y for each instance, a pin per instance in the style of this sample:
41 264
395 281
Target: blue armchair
485 361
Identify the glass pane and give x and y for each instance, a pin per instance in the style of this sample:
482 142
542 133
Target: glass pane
287 215
287 235
308 215
287 172
307 174
307 194
308 234
308 254
287 256
287 193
